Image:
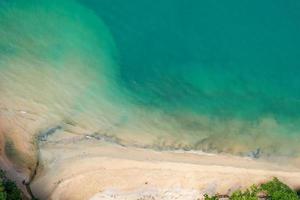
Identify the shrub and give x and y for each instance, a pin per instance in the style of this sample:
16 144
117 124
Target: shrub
2 191
12 191
279 191
8 189
272 190
206 197
248 194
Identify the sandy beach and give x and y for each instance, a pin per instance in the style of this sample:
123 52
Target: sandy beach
74 165
78 166
88 169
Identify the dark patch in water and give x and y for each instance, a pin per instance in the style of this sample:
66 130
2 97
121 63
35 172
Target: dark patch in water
255 154
14 154
43 136
10 149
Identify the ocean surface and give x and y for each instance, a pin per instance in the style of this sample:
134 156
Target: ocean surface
216 76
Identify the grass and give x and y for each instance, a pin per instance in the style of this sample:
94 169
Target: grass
272 190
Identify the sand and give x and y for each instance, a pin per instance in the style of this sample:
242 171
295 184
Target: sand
74 165
84 168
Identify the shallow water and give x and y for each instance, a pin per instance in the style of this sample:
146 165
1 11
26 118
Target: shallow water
211 76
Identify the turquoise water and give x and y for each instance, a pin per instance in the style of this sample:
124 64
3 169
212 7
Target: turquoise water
208 75
237 58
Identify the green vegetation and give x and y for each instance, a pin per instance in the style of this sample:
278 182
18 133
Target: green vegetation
8 189
2 191
272 190
278 190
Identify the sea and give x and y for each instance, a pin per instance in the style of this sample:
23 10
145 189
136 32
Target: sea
214 76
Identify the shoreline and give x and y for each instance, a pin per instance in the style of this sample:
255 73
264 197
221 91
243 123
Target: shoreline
108 171
79 167
76 166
